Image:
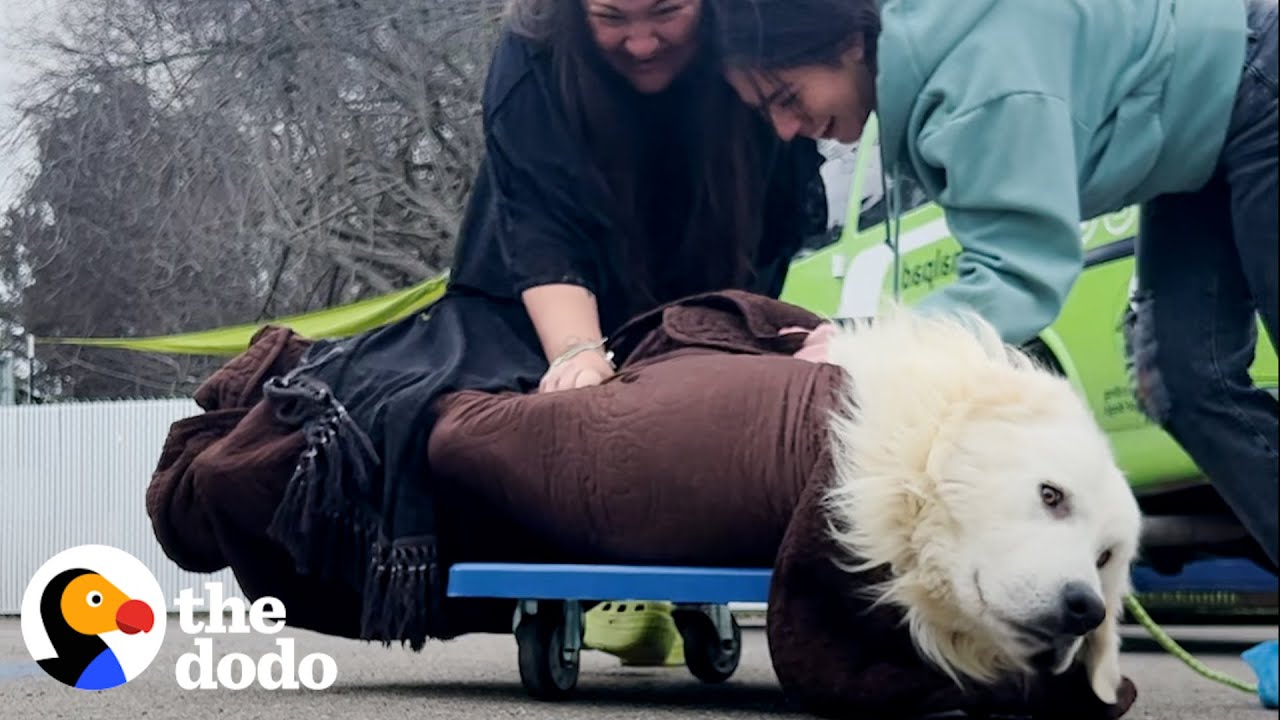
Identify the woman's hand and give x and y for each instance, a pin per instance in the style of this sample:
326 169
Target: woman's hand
584 369
567 322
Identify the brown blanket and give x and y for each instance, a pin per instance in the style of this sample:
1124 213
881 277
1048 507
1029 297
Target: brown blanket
708 448
643 470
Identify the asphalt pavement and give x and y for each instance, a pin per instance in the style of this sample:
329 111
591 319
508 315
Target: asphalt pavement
476 677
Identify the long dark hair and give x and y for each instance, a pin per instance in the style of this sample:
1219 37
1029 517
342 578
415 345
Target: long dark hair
771 35
731 153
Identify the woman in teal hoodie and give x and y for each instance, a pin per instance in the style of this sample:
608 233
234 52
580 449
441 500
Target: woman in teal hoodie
1023 118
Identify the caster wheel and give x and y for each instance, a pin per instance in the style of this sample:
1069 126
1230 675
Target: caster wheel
548 670
709 657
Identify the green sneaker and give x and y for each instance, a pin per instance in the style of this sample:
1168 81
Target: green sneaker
640 633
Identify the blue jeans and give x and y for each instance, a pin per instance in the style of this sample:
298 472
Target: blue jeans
1206 266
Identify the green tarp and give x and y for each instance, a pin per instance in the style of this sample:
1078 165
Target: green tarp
340 321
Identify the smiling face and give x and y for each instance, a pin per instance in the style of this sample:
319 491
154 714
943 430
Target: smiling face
821 101
648 42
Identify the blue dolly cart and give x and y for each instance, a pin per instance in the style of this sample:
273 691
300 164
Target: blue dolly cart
548 620
550 598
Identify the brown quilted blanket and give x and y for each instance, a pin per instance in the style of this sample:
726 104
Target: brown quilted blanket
608 476
708 448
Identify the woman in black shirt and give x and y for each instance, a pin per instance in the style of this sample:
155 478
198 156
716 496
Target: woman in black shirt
620 173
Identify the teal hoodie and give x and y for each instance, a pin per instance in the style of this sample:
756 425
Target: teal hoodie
1022 118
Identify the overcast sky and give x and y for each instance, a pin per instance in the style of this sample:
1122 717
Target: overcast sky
17 18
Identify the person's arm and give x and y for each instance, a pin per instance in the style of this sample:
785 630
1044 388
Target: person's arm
1010 190
550 235
565 317
568 326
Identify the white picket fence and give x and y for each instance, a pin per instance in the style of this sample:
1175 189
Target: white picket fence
77 473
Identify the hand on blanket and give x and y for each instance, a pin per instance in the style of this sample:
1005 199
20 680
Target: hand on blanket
815 342
582 370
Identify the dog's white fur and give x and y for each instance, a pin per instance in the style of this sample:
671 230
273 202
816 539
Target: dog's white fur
941 449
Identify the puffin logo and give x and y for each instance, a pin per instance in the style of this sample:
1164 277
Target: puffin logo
93 617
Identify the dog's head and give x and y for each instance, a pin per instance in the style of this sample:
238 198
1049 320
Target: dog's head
984 485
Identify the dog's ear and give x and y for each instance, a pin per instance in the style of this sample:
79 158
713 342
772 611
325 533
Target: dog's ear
1102 653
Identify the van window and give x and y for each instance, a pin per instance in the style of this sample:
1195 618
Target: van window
826 197
815 213
910 195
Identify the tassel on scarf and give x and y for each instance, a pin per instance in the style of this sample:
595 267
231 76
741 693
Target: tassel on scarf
399 600
329 535
317 521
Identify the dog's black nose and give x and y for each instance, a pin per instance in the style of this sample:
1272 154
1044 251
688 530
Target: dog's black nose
1082 610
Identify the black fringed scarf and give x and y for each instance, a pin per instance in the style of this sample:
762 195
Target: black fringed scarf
359 508
328 523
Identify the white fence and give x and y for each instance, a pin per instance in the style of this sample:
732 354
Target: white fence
77 473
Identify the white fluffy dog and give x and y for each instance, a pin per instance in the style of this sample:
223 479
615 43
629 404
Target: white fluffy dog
985 486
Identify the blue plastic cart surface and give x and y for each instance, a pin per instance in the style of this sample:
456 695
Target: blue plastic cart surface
751 585
603 582
549 618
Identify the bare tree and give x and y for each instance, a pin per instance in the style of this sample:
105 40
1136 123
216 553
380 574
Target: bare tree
124 232
203 163
364 117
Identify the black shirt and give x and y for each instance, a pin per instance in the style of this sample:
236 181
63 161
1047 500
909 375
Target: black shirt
538 215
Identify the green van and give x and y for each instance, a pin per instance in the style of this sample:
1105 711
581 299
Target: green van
854 274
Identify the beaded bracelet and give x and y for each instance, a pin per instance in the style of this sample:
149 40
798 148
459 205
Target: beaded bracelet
578 349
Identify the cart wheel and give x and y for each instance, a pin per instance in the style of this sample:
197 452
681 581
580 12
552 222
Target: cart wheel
708 657
547 670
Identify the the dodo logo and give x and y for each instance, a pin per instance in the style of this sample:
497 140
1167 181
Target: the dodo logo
93 617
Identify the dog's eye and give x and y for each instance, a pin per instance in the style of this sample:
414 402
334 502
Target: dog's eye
1050 495
1104 558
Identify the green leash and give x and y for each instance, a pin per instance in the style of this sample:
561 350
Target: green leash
1163 640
